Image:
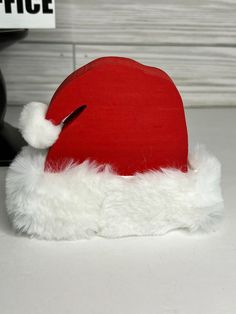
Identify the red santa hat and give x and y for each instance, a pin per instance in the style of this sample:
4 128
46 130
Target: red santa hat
109 157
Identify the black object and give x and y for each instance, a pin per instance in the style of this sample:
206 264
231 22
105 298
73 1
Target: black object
11 140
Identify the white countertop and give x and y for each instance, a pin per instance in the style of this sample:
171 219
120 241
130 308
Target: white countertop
173 274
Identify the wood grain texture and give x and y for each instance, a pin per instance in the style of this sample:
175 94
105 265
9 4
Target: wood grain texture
205 76
149 22
193 40
33 71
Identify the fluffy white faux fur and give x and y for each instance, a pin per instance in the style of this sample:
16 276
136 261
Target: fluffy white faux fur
36 130
85 200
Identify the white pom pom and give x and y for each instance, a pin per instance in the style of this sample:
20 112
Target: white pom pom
36 130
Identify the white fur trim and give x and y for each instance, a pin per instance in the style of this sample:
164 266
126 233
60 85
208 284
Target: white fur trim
36 130
85 200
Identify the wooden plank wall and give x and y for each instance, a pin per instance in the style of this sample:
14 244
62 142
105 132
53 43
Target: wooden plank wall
193 40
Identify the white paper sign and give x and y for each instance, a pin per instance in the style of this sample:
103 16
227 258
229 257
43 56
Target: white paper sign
27 14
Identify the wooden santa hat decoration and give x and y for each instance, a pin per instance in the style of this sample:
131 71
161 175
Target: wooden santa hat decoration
109 157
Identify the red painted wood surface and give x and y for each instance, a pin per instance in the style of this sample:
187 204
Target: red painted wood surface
134 119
